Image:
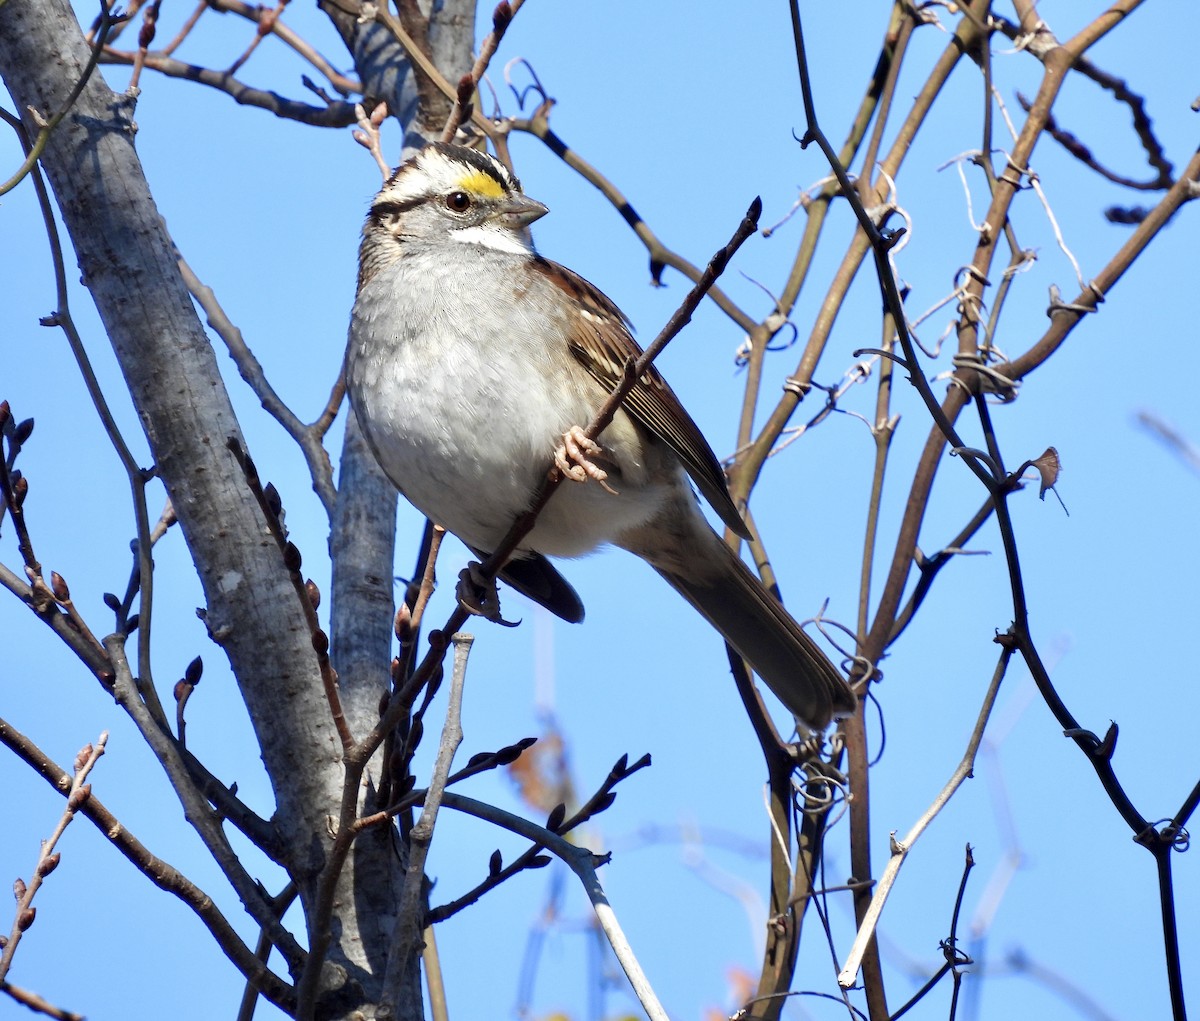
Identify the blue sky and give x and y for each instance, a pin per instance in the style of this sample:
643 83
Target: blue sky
690 110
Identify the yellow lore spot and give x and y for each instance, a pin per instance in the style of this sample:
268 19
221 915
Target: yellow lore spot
483 184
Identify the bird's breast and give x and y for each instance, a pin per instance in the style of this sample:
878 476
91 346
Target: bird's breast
464 393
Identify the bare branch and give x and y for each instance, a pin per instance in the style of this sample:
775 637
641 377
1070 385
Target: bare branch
502 17
48 858
160 873
306 591
407 931
38 1004
307 437
583 863
196 808
901 848
332 115
660 255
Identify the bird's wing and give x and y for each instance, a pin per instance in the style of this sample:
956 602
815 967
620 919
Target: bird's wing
601 340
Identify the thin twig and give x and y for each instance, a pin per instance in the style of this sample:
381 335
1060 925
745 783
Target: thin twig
660 255
599 802
48 858
583 863
434 984
203 819
186 28
931 567
420 60
161 873
307 437
266 21
47 125
38 1004
96 660
901 848
406 935
329 115
344 85
502 17
262 950
306 591
136 476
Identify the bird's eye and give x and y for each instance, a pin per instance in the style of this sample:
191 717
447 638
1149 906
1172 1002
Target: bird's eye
458 201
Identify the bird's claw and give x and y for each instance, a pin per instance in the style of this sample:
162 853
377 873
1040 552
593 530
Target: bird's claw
574 458
478 595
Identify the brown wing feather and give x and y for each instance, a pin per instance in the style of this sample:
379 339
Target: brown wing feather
601 340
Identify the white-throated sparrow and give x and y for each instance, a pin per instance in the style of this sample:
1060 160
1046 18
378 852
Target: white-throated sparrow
471 357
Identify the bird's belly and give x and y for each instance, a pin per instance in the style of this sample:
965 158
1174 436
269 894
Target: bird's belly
469 448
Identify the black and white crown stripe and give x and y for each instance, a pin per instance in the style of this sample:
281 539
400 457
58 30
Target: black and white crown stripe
437 169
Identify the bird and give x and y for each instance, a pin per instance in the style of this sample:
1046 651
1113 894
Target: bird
472 360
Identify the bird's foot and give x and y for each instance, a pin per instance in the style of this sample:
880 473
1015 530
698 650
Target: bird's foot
478 595
574 458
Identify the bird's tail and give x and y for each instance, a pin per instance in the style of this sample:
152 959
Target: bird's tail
750 619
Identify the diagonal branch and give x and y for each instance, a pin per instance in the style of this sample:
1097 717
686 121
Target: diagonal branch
307 437
502 17
409 921
77 793
901 848
583 863
160 873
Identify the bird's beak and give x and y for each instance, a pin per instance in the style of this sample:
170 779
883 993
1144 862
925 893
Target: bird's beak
520 211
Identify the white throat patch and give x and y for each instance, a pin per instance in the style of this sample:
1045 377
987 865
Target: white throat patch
496 238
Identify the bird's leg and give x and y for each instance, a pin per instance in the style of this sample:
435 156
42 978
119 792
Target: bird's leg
574 458
478 595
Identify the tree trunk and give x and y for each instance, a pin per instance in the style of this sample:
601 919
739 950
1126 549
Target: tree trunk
252 611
